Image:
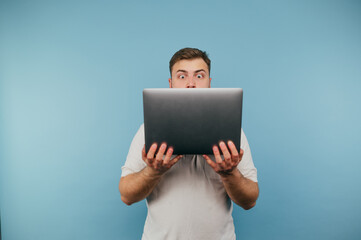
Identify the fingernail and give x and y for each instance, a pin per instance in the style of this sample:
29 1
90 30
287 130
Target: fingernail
222 144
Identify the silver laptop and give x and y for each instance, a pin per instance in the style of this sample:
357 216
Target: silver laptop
192 120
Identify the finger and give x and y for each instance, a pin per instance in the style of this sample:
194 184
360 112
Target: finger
175 160
159 156
168 156
161 151
210 162
241 152
150 155
226 154
144 156
234 152
218 157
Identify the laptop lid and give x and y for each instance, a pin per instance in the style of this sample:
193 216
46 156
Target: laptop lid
192 120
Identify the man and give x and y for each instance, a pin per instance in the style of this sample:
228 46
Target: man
189 197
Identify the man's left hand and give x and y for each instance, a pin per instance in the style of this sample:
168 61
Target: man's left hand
231 158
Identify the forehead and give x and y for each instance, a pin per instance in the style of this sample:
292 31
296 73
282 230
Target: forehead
190 65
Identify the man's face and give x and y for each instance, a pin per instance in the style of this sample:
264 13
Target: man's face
191 73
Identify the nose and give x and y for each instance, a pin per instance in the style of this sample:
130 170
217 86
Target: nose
191 83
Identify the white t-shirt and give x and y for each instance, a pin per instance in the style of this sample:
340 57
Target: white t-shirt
190 201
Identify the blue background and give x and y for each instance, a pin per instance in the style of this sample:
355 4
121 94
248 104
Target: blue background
71 81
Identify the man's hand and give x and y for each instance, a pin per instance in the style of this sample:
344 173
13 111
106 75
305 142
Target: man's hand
231 160
137 186
159 164
241 190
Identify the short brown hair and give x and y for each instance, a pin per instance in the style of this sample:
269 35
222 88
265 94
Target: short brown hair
189 53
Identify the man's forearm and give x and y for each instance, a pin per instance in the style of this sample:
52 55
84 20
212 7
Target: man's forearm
242 191
137 186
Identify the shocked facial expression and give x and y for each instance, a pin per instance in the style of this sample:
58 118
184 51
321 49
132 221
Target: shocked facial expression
193 73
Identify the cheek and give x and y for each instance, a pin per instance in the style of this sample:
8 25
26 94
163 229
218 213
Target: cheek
203 84
178 84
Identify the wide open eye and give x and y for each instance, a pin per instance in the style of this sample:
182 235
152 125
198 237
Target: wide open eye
182 76
199 76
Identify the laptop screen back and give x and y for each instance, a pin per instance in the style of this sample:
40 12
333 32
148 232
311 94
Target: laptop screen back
193 120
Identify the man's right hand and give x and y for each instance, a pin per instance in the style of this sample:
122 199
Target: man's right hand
137 186
159 164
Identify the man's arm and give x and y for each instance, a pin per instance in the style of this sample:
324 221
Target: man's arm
137 186
242 191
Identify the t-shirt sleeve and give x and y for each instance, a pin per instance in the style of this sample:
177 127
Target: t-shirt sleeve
134 162
246 166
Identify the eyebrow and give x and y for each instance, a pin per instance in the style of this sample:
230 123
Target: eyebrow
196 71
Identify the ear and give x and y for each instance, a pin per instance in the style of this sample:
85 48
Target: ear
170 82
210 79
